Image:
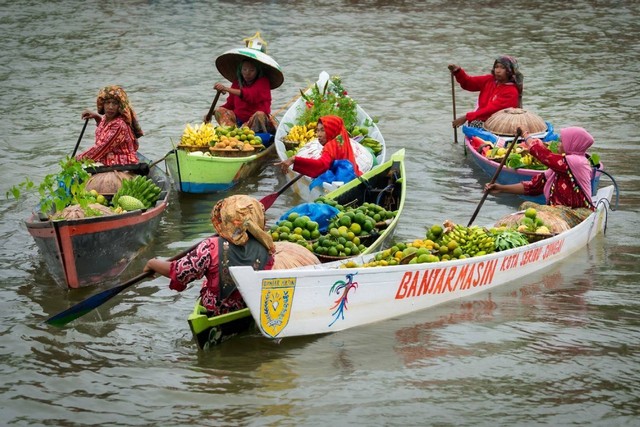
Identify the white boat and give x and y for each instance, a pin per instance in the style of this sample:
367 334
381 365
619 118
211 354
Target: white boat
302 186
326 298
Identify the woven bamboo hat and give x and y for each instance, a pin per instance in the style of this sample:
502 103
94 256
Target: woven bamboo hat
506 122
227 64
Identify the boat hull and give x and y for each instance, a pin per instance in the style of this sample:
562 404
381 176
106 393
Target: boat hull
509 175
210 331
87 251
313 300
204 174
301 187
367 189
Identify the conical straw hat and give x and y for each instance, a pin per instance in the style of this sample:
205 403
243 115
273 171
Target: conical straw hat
506 122
227 64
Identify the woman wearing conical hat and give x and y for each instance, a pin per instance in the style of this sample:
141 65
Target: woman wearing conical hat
253 74
117 132
500 89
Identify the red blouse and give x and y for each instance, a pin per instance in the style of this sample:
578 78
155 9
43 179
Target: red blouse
255 97
493 96
115 144
204 262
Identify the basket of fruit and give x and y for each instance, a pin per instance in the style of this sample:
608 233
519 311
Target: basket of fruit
192 148
231 152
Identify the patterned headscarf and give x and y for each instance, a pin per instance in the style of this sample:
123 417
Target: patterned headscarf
238 215
127 113
513 72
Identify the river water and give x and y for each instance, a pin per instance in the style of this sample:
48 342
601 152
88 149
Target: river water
562 347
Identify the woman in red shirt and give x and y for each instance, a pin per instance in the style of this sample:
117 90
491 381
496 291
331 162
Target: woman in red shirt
118 129
499 90
567 182
336 145
249 101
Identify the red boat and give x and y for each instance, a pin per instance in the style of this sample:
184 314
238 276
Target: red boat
87 251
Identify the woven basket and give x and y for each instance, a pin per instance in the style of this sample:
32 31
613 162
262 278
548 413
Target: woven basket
223 152
192 148
506 122
536 237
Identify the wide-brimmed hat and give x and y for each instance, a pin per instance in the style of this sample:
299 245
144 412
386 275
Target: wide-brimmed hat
506 122
227 64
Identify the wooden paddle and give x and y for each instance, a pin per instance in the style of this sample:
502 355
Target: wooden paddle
209 115
97 300
495 175
453 98
75 150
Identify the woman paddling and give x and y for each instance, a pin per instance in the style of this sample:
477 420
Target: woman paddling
242 240
500 89
118 129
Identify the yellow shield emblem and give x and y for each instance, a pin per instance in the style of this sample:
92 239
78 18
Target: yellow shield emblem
275 300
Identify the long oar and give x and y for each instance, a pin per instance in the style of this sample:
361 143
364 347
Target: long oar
209 115
97 300
453 98
75 150
495 175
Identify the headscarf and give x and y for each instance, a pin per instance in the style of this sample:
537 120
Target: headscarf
335 130
125 110
575 143
237 216
513 73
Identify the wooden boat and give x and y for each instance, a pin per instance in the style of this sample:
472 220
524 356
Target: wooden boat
387 179
87 251
327 298
302 186
510 175
194 172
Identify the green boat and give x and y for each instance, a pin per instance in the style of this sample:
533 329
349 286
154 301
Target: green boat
198 173
384 185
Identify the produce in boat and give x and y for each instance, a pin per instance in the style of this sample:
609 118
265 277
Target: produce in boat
294 135
349 293
86 237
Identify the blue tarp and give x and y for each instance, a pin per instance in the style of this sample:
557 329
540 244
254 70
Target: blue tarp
318 212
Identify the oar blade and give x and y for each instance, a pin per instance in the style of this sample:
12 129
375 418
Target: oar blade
84 307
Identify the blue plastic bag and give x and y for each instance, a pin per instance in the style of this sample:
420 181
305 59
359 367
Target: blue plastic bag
318 212
340 170
480 133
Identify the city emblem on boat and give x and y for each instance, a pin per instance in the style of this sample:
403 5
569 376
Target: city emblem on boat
275 303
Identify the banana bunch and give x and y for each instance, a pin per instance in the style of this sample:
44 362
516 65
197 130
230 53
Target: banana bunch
302 133
474 240
371 143
201 135
141 188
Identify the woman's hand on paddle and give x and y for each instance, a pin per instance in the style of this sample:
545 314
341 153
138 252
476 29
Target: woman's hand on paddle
492 188
88 114
459 121
220 87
